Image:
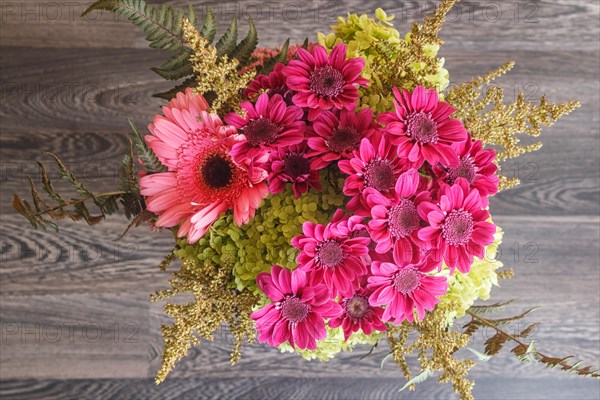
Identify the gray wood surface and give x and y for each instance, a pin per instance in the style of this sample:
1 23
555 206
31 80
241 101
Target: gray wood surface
74 311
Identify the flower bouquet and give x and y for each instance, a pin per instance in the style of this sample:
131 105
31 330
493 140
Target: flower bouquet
321 195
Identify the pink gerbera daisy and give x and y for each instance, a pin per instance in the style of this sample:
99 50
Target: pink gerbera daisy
273 84
268 124
336 260
403 287
339 133
359 314
396 222
297 312
459 229
203 180
292 165
323 81
422 128
476 165
374 165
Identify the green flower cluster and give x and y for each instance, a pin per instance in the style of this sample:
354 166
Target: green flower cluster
255 247
377 42
333 344
464 289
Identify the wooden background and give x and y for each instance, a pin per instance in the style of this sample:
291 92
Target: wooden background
75 313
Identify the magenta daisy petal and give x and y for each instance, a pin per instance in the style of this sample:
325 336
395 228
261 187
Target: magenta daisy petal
374 165
292 165
323 82
337 134
332 256
298 310
458 228
476 165
402 288
358 314
422 129
271 85
396 222
268 124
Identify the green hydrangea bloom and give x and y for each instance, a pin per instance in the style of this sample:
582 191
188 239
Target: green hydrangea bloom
464 289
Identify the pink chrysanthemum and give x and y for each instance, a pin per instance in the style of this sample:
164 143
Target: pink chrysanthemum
476 165
359 314
323 81
375 165
403 287
459 229
297 312
268 124
292 165
339 133
273 84
396 222
422 128
203 180
336 260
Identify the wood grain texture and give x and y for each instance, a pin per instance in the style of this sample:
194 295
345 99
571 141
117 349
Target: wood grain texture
74 311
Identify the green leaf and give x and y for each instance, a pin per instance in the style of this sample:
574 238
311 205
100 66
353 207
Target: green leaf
171 93
422 377
161 24
491 308
209 29
279 58
245 48
480 356
150 162
227 42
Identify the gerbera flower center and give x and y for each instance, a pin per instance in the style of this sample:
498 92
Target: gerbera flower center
406 280
344 138
403 219
295 165
379 175
422 128
261 131
357 307
458 227
327 81
294 310
330 254
216 171
465 169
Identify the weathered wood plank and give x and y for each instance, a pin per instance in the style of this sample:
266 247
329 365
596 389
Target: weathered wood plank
491 24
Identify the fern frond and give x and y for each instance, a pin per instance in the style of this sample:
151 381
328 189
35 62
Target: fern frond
245 48
227 42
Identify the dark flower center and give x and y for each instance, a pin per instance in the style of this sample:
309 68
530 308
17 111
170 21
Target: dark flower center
261 131
379 175
422 128
344 138
465 169
357 307
216 171
294 310
327 81
403 219
330 254
458 227
406 280
295 165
